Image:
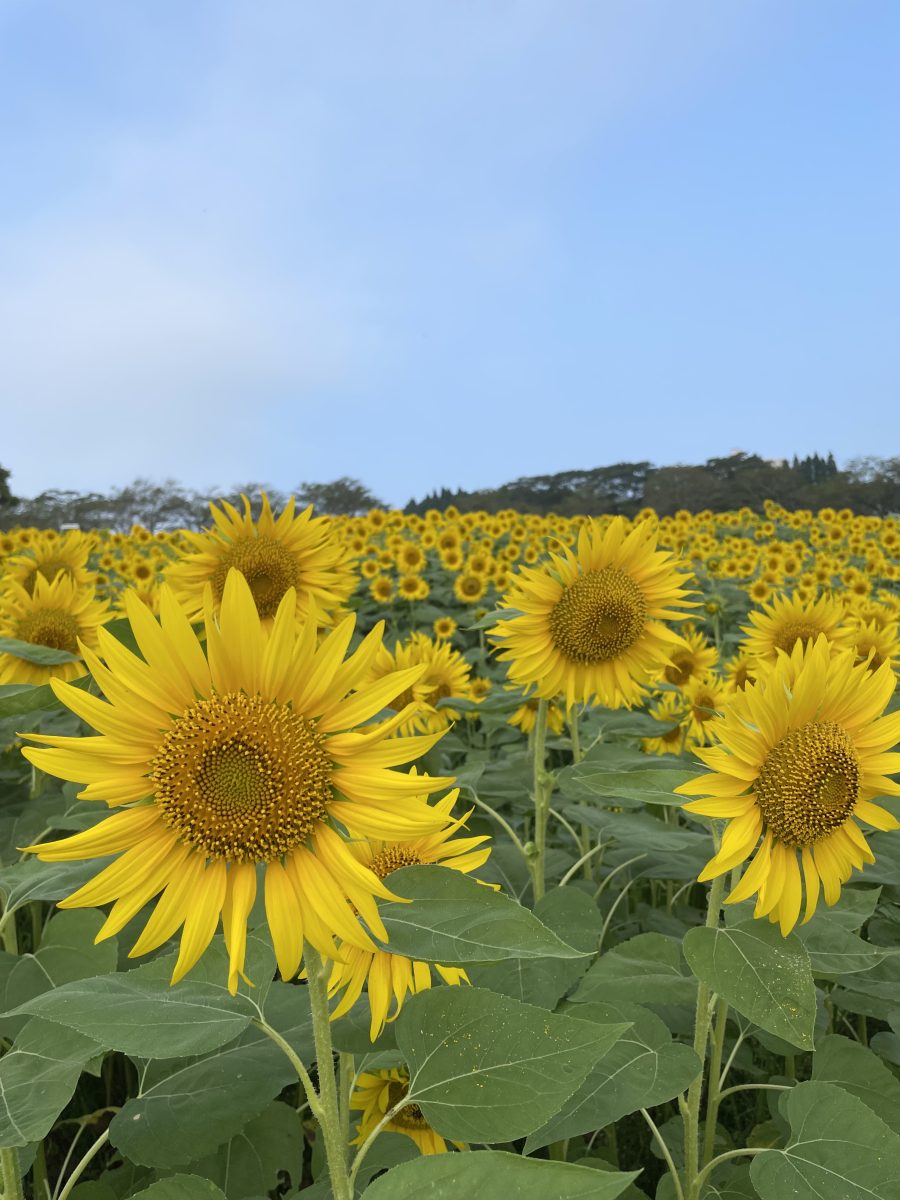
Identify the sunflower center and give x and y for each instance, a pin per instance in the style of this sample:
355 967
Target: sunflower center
409 1117
598 617
794 631
267 565
392 858
242 778
679 669
809 784
52 627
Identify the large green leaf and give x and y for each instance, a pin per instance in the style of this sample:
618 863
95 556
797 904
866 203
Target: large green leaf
765 976
647 969
838 1150
250 1163
856 1069
454 919
492 1173
644 1067
17 699
67 952
573 916
143 1016
486 1068
617 772
181 1187
168 1123
44 656
33 880
834 950
37 1080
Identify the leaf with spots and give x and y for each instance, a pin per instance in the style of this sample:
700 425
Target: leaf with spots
765 976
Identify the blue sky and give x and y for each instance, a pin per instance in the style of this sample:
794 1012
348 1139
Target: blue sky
444 243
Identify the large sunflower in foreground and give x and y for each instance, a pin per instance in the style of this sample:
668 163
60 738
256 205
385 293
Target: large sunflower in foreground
391 977
59 615
589 625
799 757
380 1091
787 620
273 554
247 755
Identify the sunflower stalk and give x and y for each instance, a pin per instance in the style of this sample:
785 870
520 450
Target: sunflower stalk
12 1180
702 1021
330 1106
543 787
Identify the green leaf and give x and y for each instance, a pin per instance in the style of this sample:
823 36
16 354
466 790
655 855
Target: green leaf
168 1124
765 976
493 1173
617 772
33 880
834 951
44 656
19 698
486 1068
838 1150
856 1069
67 952
645 1067
38 1078
574 917
141 1015
454 919
250 1163
647 969
181 1187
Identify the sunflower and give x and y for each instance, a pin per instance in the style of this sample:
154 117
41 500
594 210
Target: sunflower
391 976
219 762
797 760
382 589
739 671
875 644
525 716
704 699
444 628
60 615
669 711
445 675
470 588
779 625
274 555
590 625
696 658
47 557
381 1091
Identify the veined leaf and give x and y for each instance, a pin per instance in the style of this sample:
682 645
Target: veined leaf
486 1068
454 919
44 656
765 976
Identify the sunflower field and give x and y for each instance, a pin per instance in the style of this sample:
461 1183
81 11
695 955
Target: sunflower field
653 760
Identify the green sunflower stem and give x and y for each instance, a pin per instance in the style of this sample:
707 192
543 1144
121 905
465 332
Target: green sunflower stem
714 1094
702 1021
330 1114
587 867
542 789
12 1180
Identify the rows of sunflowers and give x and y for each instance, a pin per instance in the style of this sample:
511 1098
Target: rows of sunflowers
653 759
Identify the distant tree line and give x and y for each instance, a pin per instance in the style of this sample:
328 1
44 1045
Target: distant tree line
168 505
866 485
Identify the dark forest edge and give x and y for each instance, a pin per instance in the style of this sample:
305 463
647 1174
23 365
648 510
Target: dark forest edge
870 486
